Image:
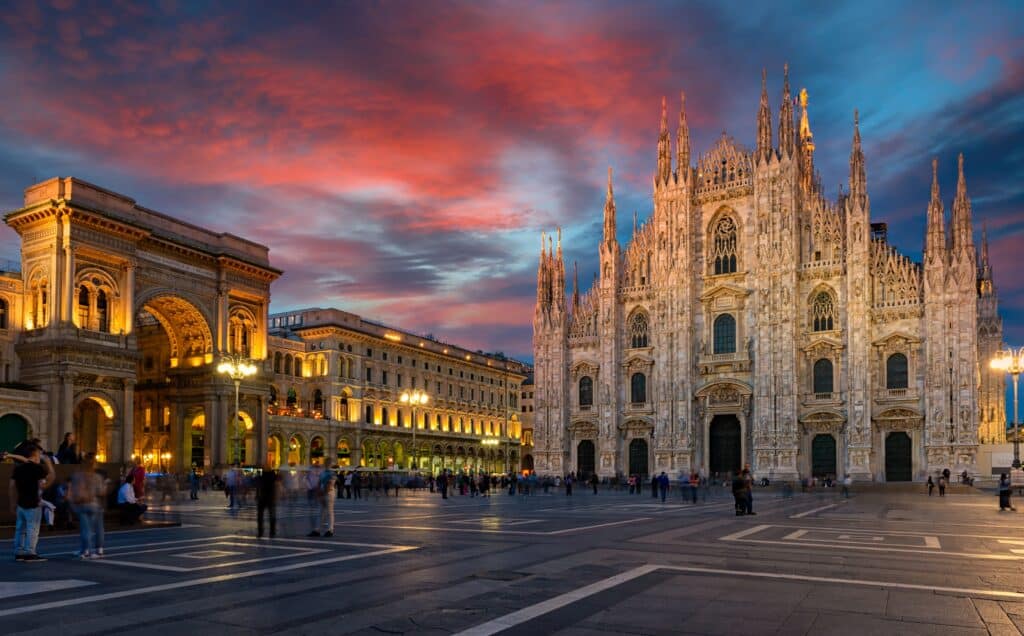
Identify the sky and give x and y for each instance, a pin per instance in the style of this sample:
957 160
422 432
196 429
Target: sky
400 159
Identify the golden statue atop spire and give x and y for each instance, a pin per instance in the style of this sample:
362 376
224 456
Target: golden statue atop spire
805 124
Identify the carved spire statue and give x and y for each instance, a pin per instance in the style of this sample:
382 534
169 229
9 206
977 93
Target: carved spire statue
935 238
985 286
786 133
664 147
682 141
764 122
806 146
609 212
858 174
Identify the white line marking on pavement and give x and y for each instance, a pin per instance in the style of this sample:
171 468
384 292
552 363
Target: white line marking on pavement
596 525
957 591
792 536
526 614
1011 541
811 511
544 607
80 600
74 535
744 533
932 542
23 588
532 533
817 543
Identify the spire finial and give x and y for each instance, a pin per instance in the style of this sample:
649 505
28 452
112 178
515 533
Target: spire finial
764 121
786 133
636 219
664 115
609 182
682 140
559 241
609 211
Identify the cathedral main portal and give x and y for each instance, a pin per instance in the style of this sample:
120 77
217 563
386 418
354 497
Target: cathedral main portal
724 445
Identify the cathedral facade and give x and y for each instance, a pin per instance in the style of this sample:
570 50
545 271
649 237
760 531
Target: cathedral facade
753 320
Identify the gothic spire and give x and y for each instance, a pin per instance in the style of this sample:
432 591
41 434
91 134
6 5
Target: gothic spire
609 212
764 121
935 239
542 271
963 238
664 147
985 286
575 287
682 140
858 174
636 221
786 134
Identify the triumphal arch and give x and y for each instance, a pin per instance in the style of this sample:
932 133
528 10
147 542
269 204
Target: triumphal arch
126 313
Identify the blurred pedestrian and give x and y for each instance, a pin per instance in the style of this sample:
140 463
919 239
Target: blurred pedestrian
193 484
748 481
942 485
33 474
594 481
266 500
1005 492
87 497
694 483
663 485
931 485
326 493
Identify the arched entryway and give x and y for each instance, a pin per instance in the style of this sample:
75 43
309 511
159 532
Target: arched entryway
725 445
274 444
195 424
823 455
13 431
898 457
92 421
585 453
528 462
638 457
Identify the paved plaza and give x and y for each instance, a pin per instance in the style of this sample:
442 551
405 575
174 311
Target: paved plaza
881 562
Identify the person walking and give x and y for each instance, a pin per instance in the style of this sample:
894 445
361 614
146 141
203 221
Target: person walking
568 485
348 485
931 485
266 500
694 483
327 492
663 485
193 484
847 481
654 486
29 477
594 481
942 486
739 495
1005 492
357 484
87 495
748 482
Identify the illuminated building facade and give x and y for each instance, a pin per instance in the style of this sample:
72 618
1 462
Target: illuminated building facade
753 320
337 396
113 328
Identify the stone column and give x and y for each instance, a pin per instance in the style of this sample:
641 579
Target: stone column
128 421
262 431
68 304
128 296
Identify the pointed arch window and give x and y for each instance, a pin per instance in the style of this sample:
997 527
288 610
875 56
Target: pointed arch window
638 331
638 388
896 371
586 391
3 313
823 312
725 334
723 246
823 377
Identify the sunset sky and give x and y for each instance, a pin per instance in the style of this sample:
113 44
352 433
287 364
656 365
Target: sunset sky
400 159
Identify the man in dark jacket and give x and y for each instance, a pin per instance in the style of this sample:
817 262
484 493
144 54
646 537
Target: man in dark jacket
266 500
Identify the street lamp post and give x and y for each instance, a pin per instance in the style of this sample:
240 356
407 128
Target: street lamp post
414 398
237 368
1011 361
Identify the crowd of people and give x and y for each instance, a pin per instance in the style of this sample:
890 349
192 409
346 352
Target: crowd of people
83 497
90 490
